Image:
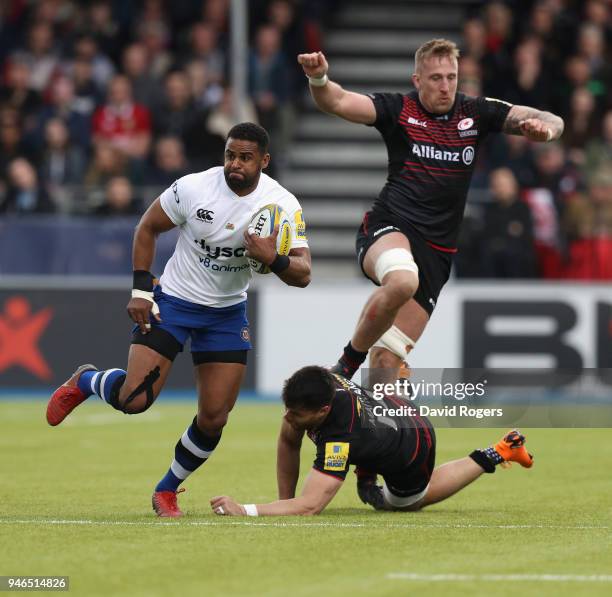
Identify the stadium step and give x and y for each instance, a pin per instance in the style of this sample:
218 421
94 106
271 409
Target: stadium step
400 15
338 244
369 70
335 183
323 126
384 43
348 212
338 155
336 168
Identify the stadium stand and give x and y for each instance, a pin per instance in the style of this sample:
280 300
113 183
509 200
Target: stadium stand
104 103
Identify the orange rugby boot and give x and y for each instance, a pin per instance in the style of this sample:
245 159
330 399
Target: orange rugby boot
512 449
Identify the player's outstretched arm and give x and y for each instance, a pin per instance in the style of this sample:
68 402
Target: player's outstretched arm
288 460
153 222
319 490
534 124
331 97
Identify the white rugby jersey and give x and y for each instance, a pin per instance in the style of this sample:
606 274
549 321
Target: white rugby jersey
208 266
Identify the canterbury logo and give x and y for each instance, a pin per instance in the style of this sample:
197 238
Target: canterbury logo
205 215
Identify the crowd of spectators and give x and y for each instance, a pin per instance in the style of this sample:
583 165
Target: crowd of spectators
542 210
101 97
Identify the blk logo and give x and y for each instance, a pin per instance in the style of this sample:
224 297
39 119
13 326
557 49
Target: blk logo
417 122
205 215
20 331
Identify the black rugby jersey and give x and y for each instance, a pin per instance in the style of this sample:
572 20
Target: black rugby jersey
431 159
353 433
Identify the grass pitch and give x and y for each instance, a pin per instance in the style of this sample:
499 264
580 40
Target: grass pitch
75 500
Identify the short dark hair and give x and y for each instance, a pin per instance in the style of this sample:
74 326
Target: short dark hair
311 388
249 131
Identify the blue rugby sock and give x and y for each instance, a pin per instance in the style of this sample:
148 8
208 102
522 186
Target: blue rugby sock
191 451
100 383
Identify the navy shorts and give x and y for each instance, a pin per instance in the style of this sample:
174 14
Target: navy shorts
215 329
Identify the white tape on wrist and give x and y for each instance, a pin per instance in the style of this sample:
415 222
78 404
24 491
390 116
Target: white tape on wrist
143 294
251 510
318 81
147 296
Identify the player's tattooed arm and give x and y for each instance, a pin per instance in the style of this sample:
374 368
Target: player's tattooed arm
536 125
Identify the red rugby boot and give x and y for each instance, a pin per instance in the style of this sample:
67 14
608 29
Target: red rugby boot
165 504
67 397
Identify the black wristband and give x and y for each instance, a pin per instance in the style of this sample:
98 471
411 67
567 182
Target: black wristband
143 280
280 264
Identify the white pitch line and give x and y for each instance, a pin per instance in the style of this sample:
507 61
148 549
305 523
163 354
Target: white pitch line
226 522
499 577
99 419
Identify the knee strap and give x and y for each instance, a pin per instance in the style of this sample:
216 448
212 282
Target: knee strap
113 399
159 340
145 386
392 260
396 342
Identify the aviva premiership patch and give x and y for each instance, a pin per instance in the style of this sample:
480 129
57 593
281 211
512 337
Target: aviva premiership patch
336 456
300 225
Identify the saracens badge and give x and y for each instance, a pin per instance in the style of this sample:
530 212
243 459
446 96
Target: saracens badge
465 124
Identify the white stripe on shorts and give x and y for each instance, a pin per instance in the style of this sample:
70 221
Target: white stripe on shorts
396 501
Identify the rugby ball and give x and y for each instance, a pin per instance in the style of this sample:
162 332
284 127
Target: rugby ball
262 224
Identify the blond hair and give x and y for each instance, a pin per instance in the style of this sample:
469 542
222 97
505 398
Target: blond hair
439 48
